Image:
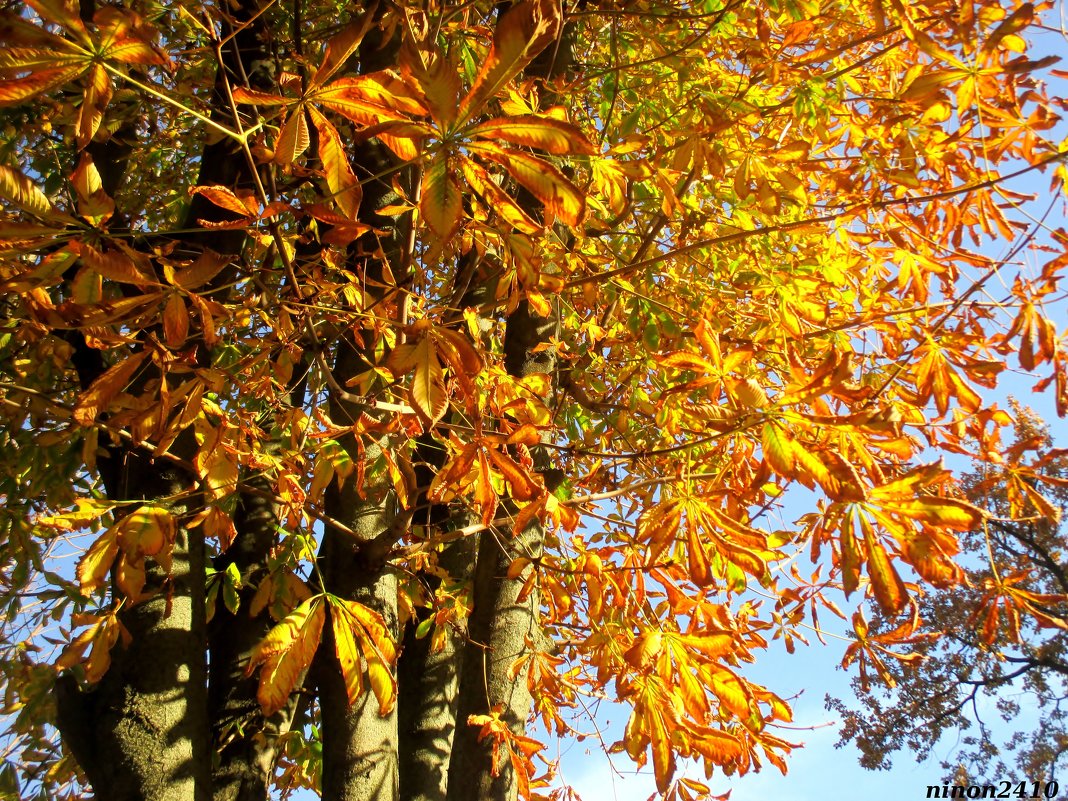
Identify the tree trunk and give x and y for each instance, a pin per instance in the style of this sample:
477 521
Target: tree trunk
428 695
360 746
144 731
502 627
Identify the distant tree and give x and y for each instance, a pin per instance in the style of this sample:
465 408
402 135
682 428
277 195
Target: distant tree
989 670
384 384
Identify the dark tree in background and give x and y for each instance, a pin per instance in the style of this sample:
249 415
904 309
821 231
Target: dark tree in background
993 688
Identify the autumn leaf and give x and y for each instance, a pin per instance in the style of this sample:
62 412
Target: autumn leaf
94 565
110 383
363 644
522 33
440 199
21 191
555 192
427 393
286 652
537 131
340 180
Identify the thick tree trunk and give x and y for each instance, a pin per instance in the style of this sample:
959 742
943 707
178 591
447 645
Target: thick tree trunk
428 695
502 627
245 741
360 746
143 732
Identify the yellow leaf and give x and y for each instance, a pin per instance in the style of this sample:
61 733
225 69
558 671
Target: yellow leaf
366 628
130 578
97 95
522 32
145 531
93 202
537 131
663 753
20 190
348 655
428 384
778 450
293 139
645 649
286 652
440 200
93 567
496 199
684 360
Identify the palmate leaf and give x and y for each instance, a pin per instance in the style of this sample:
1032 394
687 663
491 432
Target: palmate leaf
286 652
363 644
521 34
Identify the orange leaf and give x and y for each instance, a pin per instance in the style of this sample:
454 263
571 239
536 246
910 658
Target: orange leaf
521 34
175 321
559 196
109 384
340 47
887 584
340 179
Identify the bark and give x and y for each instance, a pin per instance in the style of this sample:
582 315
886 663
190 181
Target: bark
428 695
245 741
502 627
360 746
143 732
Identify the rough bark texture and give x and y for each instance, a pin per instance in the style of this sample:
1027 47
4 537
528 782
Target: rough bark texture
143 732
359 745
501 627
428 696
246 742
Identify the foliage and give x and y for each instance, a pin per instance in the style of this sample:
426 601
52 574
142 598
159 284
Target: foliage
376 378
1004 643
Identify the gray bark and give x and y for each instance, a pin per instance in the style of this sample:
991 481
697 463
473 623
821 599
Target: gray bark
360 746
428 696
142 733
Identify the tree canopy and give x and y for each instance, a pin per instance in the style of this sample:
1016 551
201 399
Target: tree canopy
384 386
